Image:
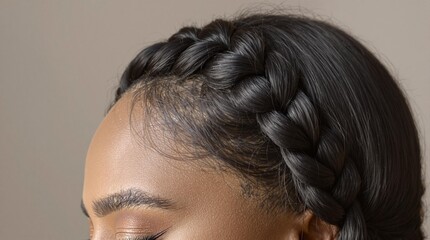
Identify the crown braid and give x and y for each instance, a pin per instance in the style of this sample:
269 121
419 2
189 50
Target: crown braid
240 62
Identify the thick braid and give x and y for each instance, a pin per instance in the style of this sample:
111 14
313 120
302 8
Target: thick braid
182 54
268 84
136 69
325 177
157 59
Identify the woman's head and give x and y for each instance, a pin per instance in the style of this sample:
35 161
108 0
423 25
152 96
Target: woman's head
260 127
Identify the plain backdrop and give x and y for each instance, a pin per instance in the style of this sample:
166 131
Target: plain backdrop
60 62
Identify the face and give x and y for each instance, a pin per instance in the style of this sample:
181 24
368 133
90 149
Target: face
132 192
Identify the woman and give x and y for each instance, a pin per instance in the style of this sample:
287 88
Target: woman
265 126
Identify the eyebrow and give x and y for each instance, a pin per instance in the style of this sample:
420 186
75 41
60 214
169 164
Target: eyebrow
126 199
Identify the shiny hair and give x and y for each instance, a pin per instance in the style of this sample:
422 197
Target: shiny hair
297 107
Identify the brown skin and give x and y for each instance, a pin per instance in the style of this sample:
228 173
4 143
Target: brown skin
208 203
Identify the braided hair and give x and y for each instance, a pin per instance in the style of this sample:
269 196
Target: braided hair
300 109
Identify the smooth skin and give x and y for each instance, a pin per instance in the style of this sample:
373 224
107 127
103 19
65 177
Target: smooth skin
204 204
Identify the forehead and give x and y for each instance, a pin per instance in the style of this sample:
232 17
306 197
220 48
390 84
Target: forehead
117 159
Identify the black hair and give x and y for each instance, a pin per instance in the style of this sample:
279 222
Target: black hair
297 107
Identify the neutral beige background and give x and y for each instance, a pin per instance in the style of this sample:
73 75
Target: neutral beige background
60 61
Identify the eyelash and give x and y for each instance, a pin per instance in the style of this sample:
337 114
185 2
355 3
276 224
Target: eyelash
150 237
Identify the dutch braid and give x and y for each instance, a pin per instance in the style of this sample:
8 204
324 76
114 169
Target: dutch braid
241 63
